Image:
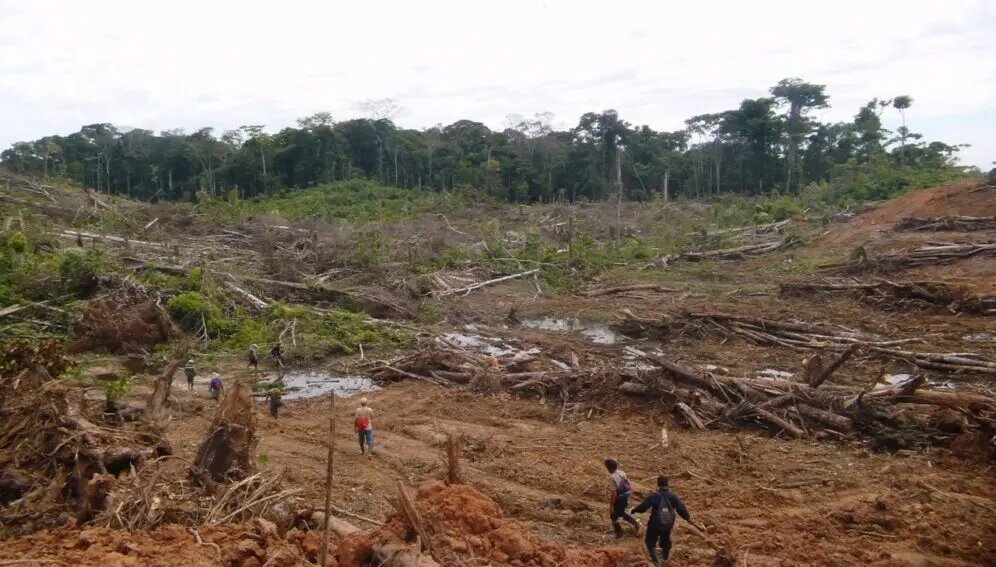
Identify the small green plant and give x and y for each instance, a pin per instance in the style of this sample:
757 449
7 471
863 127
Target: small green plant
116 390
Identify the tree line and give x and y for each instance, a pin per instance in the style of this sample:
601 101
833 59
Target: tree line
767 144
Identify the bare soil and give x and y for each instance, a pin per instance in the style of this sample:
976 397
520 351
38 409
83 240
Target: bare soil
536 491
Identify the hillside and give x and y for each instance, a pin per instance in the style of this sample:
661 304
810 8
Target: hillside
816 383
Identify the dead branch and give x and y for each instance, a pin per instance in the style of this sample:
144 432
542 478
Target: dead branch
467 289
625 288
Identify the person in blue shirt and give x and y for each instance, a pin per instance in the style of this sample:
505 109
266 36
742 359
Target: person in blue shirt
664 506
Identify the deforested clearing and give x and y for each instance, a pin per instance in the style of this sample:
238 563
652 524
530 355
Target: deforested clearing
823 400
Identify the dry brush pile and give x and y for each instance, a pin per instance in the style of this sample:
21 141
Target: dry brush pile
906 415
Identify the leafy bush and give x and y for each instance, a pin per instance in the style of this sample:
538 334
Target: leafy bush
78 272
192 309
343 332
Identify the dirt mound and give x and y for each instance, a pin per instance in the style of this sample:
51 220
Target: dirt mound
960 199
252 544
465 524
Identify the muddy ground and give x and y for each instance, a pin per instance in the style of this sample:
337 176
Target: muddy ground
766 499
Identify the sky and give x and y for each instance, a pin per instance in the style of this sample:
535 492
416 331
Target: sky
190 64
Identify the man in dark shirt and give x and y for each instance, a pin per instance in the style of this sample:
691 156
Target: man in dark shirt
663 506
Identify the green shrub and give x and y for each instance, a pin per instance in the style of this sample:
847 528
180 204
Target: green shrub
193 309
78 272
116 390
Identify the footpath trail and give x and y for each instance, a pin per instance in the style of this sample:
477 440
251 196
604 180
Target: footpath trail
774 500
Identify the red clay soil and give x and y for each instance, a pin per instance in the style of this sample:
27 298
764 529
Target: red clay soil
468 524
961 199
171 546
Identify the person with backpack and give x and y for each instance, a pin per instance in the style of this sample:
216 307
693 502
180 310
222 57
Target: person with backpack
621 489
216 386
364 426
664 506
190 371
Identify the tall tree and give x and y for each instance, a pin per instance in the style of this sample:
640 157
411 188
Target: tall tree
801 97
902 103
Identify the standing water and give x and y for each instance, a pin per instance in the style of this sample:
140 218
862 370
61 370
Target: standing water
598 333
313 383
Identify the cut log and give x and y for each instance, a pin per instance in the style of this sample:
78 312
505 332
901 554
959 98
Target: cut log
467 289
625 288
953 223
250 298
833 366
690 416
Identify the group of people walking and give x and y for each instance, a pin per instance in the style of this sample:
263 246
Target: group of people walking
664 507
216 386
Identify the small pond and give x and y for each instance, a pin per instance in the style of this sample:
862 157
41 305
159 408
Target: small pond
598 333
303 384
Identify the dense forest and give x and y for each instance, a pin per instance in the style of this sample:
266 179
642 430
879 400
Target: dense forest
767 144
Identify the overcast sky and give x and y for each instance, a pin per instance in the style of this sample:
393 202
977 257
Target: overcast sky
188 64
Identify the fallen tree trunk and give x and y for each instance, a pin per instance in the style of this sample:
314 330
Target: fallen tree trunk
317 290
78 235
935 254
734 253
625 288
467 289
954 223
833 366
898 294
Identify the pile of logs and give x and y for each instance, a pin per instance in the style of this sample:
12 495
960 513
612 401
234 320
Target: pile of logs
937 253
800 336
892 416
903 294
738 253
961 224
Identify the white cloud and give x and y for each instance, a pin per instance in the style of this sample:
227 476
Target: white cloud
222 63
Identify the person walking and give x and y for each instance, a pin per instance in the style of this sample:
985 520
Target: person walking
364 427
664 506
621 489
190 371
216 386
253 358
275 396
277 352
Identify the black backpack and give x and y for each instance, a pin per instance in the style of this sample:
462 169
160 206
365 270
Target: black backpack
665 513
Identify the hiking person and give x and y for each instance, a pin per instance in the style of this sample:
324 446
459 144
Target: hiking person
190 371
364 426
277 352
664 505
253 358
621 489
216 386
275 396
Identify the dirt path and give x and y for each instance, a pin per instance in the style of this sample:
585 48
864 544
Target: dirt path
771 501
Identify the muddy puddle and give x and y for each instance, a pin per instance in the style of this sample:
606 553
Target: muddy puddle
598 333
300 385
